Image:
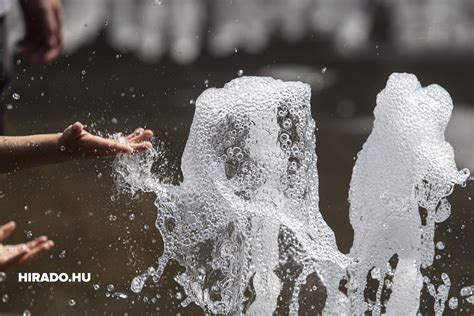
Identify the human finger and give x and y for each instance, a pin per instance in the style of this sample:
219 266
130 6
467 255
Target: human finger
33 243
138 147
36 252
114 148
58 14
7 229
135 133
143 136
45 50
72 131
50 54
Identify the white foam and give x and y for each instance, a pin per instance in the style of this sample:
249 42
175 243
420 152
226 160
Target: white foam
405 164
248 204
250 178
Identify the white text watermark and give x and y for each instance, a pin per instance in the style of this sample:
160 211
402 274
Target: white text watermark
51 277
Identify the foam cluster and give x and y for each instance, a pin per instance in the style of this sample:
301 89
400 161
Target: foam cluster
398 192
250 181
245 222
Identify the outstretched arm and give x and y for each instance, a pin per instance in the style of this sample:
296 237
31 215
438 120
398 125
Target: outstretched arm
75 142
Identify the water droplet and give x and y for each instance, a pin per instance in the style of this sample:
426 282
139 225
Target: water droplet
375 273
62 254
62 148
131 217
16 96
71 302
5 298
324 70
83 72
114 120
3 276
112 217
453 303
206 83
467 291
120 295
191 101
9 106
235 50
440 245
96 286
240 73
110 287
137 284
26 313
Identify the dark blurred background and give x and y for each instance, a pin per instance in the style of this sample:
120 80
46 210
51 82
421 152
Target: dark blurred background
143 63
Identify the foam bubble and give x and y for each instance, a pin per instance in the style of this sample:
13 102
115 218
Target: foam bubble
248 203
245 222
398 192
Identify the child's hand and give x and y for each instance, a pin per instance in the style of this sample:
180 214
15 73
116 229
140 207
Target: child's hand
11 255
78 142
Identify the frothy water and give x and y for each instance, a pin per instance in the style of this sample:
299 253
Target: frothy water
250 180
245 222
398 193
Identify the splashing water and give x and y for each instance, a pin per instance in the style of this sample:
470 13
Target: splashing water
398 192
245 221
250 179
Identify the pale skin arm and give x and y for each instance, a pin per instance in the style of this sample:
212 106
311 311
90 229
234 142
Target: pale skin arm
17 152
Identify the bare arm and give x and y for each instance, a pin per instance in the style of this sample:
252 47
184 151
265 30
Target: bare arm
28 151
75 142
